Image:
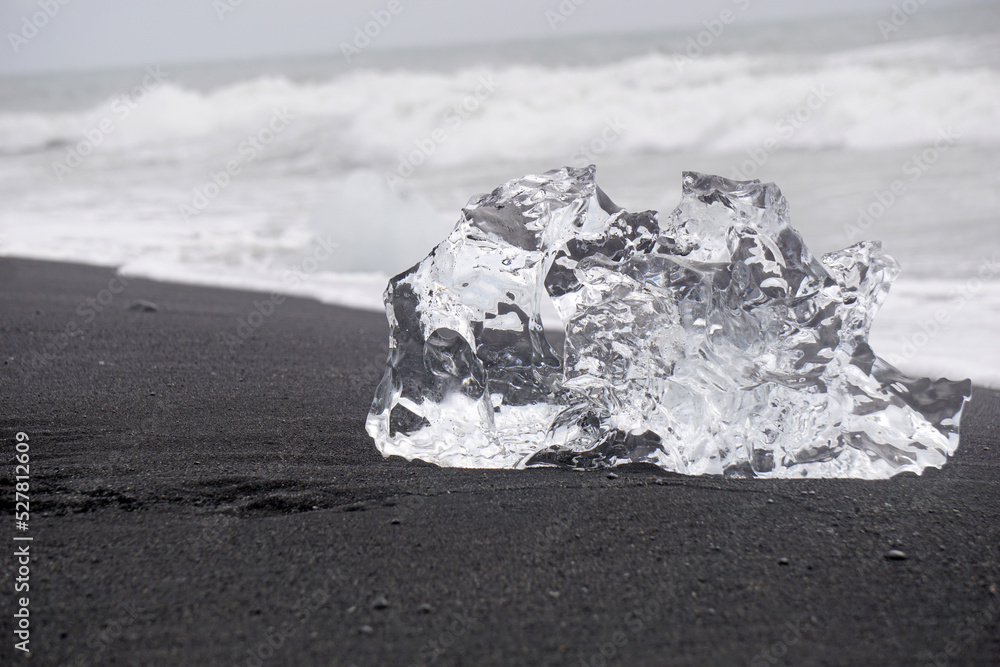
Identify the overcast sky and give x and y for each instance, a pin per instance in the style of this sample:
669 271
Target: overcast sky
94 34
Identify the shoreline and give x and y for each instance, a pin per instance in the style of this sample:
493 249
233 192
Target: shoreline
925 327
200 501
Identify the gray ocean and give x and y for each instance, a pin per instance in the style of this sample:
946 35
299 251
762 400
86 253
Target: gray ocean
322 177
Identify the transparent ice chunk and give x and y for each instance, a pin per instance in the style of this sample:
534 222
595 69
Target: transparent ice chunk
711 342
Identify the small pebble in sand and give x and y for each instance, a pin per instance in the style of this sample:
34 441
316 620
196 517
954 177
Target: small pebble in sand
143 306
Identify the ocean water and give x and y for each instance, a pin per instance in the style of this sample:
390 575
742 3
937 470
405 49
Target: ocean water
319 177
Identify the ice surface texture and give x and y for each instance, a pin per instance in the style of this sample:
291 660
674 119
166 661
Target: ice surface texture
711 342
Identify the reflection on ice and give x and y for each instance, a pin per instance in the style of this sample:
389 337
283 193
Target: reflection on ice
711 342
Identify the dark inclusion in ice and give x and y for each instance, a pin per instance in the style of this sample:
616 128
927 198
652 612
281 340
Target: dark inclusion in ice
711 342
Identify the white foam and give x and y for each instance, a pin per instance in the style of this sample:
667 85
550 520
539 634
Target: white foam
322 183
878 97
943 328
375 227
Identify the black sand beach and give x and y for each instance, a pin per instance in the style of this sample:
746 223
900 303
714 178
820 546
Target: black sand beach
200 502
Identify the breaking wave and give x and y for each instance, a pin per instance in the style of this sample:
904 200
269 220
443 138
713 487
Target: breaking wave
882 97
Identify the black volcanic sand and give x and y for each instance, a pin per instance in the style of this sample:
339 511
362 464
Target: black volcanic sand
197 503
